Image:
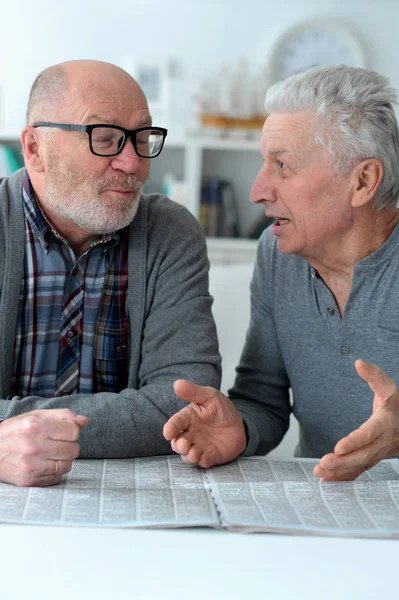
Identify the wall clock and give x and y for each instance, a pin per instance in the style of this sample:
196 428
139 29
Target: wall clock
312 43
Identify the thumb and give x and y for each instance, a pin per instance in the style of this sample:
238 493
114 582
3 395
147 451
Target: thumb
190 392
382 385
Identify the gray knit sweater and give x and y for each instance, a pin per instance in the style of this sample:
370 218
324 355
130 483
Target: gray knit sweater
172 331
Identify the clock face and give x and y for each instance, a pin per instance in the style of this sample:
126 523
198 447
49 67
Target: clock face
313 44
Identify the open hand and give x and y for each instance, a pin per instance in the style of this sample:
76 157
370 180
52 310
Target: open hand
38 447
376 439
209 431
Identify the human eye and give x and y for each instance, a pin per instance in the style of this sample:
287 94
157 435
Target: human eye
282 168
104 137
143 138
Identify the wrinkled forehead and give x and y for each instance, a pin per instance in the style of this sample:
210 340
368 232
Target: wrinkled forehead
290 130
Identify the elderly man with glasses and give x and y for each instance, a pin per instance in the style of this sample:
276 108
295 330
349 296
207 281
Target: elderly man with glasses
104 296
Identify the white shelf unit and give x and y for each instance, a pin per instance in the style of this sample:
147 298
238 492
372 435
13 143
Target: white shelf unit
192 157
237 160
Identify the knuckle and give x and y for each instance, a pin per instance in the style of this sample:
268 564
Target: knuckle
31 425
66 412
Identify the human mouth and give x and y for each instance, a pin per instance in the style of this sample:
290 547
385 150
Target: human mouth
279 224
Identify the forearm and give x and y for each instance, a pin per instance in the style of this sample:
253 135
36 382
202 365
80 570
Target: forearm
120 425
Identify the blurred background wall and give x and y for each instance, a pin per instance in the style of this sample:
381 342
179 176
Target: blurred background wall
200 35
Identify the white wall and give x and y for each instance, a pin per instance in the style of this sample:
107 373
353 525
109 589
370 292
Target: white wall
199 34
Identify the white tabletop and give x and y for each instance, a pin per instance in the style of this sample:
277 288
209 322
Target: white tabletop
126 564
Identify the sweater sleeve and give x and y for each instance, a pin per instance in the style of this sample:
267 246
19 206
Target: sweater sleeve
261 388
173 336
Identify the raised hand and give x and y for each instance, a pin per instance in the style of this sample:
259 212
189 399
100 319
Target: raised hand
209 431
376 439
38 447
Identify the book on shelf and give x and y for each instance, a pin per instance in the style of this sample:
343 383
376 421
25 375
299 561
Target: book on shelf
253 494
218 209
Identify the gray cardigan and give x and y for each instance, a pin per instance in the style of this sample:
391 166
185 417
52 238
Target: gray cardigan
172 331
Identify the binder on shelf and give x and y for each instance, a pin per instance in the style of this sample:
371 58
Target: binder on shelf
218 210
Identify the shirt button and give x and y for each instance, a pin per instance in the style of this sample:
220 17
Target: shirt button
345 350
331 311
118 349
70 334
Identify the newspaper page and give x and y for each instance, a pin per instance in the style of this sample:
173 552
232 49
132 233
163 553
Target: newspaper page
282 496
143 492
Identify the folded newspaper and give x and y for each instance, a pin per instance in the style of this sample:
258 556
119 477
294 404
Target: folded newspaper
254 494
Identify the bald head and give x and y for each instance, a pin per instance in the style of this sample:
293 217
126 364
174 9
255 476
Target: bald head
77 79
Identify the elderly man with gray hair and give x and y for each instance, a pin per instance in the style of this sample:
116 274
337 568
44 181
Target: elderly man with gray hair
325 291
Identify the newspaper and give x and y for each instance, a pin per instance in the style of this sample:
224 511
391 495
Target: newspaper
254 494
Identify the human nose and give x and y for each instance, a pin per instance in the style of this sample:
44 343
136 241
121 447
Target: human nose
263 190
127 160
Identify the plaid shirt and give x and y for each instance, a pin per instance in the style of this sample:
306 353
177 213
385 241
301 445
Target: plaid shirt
72 331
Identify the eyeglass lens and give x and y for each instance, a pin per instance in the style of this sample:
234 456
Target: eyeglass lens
107 141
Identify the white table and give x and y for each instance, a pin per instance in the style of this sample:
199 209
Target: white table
191 564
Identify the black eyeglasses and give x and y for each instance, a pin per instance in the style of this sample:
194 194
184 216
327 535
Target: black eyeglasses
109 140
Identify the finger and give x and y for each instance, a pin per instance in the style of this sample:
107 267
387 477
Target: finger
56 450
37 481
349 466
180 445
190 392
331 475
64 466
379 381
365 435
193 455
65 414
66 431
177 424
206 460
53 467
347 477
344 473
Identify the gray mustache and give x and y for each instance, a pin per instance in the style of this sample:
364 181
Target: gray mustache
129 183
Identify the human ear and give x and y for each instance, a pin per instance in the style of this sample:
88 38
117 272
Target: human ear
367 179
30 143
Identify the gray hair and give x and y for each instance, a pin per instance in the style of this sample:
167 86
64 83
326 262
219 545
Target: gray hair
355 119
46 91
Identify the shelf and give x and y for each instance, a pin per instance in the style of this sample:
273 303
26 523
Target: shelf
231 250
212 142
